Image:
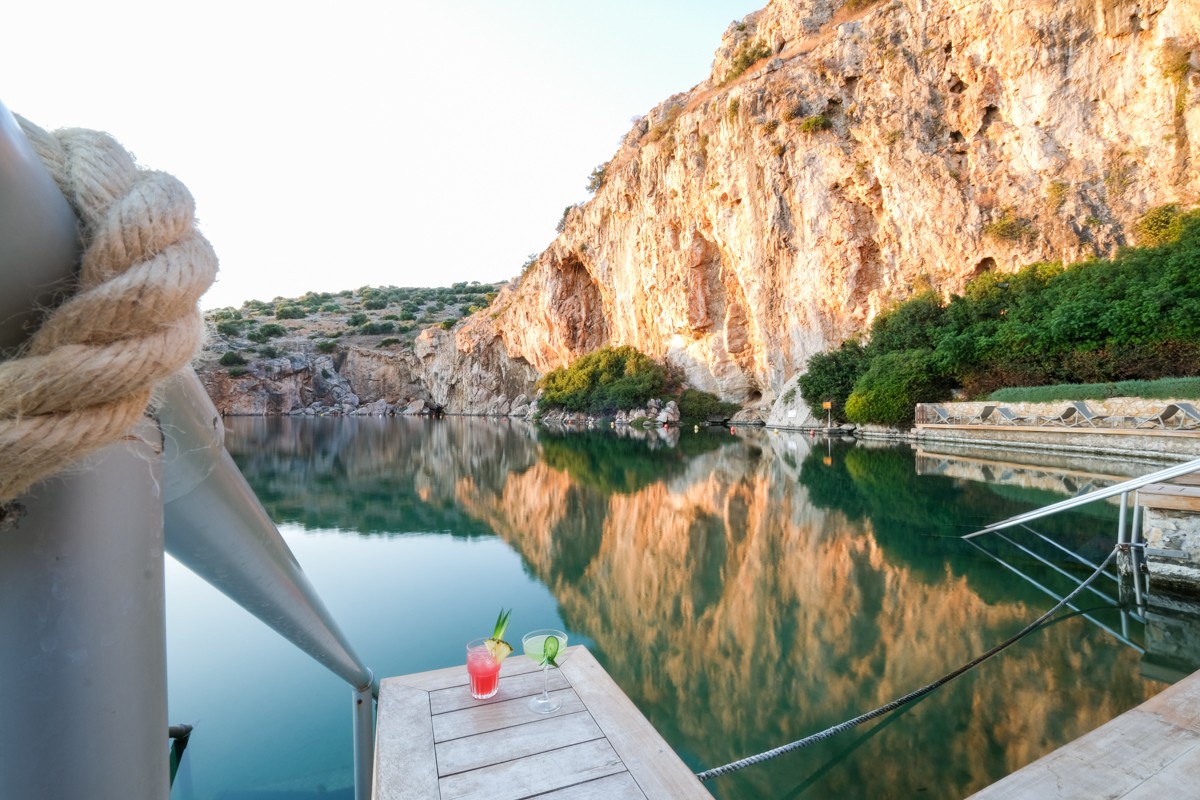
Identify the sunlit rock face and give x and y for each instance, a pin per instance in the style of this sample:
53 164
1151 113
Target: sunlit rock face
750 222
743 226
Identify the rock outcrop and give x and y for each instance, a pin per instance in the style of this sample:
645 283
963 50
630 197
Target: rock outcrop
779 205
914 144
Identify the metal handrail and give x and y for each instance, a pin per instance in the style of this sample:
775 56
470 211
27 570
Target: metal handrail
1100 494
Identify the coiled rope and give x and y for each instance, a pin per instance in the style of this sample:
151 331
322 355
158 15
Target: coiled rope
908 698
86 376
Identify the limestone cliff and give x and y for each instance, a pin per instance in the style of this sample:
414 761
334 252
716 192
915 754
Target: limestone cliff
871 150
754 220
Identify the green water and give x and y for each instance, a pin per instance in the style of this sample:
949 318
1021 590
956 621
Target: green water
744 590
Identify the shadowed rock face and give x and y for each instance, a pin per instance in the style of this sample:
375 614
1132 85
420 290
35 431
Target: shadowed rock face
744 592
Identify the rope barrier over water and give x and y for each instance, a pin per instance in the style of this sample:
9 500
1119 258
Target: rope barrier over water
733 766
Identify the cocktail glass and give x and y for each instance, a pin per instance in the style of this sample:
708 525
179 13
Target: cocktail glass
535 648
482 669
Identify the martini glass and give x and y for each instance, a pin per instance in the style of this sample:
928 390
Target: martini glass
535 648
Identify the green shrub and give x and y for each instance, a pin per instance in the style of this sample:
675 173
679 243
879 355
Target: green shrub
268 351
830 377
888 392
232 358
698 406
357 318
609 379
326 346
375 304
330 308
1162 225
237 372
388 342
815 124
447 324
376 328
230 327
595 181
290 312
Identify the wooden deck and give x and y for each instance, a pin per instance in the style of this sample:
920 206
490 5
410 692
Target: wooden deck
434 742
1149 753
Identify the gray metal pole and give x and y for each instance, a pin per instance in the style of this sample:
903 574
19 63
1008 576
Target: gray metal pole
216 527
83 702
83 668
364 742
38 239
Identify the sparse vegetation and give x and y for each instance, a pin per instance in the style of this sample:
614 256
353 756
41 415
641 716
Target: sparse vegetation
794 111
815 123
1008 227
232 358
1176 63
747 54
731 110
596 180
1056 194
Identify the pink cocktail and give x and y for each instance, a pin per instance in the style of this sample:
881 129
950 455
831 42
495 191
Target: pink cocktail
483 670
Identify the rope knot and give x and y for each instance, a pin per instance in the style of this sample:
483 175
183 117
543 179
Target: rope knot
86 376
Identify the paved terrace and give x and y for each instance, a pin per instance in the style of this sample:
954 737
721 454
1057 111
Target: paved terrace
1119 426
1149 753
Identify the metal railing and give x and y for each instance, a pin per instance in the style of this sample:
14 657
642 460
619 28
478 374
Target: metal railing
82 613
1131 548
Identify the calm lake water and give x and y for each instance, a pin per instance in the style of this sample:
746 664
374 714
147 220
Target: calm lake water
744 590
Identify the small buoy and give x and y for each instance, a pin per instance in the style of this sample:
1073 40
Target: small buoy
695 429
733 430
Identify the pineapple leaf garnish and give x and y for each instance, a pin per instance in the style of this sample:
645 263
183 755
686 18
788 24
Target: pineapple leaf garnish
501 624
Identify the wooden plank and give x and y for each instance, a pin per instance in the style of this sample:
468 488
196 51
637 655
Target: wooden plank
1170 496
494 716
519 685
507 744
621 786
537 774
650 760
405 764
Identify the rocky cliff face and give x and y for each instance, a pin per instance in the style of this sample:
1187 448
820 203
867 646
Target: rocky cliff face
751 222
869 153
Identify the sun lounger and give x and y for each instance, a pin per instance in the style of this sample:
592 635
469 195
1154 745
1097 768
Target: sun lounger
1075 414
940 415
1008 417
1186 412
984 413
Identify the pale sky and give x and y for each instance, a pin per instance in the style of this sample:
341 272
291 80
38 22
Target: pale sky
336 145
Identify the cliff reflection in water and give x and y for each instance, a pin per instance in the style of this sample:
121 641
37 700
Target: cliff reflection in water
744 591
